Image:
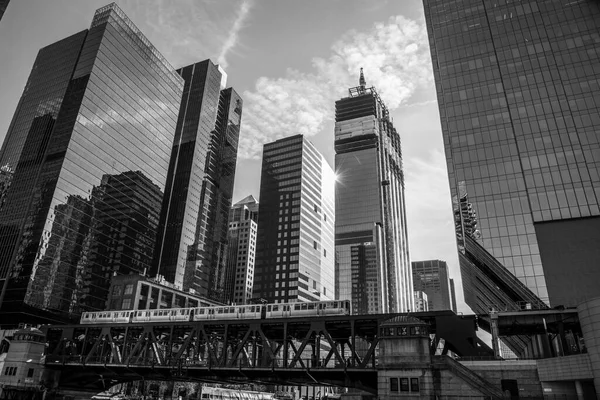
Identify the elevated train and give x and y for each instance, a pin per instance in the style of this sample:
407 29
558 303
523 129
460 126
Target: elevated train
251 311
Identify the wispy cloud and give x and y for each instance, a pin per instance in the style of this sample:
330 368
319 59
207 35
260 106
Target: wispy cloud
232 38
193 30
395 58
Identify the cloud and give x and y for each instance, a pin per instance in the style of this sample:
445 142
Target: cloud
232 38
395 58
192 30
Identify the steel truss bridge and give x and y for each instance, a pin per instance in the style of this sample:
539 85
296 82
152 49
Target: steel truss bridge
329 350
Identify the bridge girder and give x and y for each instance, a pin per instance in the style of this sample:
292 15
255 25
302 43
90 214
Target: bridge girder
331 350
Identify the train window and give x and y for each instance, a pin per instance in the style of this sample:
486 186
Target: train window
269 308
335 304
201 311
219 311
275 308
296 306
304 306
311 306
286 308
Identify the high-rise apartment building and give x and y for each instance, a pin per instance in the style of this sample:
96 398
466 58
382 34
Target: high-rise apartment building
372 264
86 159
431 277
296 220
192 241
241 251
517 86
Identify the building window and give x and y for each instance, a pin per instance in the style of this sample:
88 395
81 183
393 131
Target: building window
126 304
324 252
128 288
393 384
414 384
315 244
30 373
404 384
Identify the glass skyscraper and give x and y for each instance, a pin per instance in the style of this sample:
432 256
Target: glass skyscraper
192 242
296 220
431 277
517 86
84 168
371 243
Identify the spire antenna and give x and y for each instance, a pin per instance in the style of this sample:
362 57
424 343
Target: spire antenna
362 81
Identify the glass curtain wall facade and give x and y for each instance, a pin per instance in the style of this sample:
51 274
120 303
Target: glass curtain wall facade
296 220
193 224
517 86
241 251
85 195
431 277
372 263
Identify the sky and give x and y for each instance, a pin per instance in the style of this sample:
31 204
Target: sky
290 61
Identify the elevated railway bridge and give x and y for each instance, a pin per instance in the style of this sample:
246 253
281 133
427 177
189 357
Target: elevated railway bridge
338 350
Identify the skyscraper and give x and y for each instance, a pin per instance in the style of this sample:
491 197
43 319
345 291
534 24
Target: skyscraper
431 277
241 251
192 239
87 152
517 86
296 219
372 264
453 295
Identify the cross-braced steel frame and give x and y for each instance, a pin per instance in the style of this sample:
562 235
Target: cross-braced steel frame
334 350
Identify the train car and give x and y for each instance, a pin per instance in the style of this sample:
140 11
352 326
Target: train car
102 317
162 315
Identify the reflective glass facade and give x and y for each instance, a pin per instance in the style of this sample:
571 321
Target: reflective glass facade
192 246
86 189
517 86
295 248
431 277
372 264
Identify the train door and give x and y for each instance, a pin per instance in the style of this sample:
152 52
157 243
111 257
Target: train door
263 311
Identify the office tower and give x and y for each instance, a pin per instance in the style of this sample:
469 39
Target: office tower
3 5
192 237
371 242
517 86
453 295
296 220
241 251
88 153
421 303
431 277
